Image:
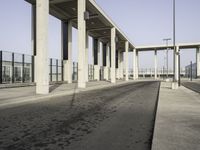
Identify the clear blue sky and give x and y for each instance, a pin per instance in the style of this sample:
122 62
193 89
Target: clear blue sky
145 22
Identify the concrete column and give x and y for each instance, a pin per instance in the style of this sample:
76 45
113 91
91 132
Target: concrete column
106 69
175 84
113 55
33 38
155 64
122 66
81 43
198 62
119 64
42 60
177 64
67 51
86 57
137 64
134 64
126 60
96 52
105 60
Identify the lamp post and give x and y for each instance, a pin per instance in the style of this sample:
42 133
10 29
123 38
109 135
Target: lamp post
174 36
167 42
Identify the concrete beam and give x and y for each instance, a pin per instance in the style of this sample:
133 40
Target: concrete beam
59 1
42 66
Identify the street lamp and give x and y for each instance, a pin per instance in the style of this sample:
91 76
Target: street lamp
174 36
167 42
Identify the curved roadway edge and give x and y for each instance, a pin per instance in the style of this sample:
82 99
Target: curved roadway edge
177 120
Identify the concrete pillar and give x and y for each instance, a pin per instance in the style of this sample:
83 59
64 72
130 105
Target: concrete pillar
198 62
176 75
42 60
96 54
155 64
177 64
137 64
119 64
86 57
134 64
81 43
67 51
33 39
126 60
106 60
106 70
113 55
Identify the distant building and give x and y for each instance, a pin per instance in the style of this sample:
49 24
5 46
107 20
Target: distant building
188 70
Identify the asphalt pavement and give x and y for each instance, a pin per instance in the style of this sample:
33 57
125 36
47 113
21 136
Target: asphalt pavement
192 85
114 118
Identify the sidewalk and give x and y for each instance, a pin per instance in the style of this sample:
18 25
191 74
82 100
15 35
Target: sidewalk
177 125
16 96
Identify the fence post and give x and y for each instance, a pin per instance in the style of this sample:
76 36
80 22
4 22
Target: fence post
13 67
62 71
23 79
1 67
57 70
33 69
191 71
51 69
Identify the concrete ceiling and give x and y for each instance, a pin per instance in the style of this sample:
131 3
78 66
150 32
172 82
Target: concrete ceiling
98 26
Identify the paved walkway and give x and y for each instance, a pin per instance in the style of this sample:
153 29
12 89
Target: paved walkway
177 124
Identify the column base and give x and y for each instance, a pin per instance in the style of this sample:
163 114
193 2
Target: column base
81 85
42 89
113 77
96 72
106 73
174 85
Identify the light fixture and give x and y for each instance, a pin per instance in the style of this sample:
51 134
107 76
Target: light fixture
86 15
74 9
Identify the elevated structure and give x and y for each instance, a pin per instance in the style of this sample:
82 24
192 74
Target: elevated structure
90 20
177 55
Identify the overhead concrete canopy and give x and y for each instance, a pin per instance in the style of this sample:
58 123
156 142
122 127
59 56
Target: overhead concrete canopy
98 25
163 47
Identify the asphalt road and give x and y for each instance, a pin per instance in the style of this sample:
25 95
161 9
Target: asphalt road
117 118
194 86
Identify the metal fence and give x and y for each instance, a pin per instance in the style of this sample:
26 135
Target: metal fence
90 72
56 70
19 68
15 68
